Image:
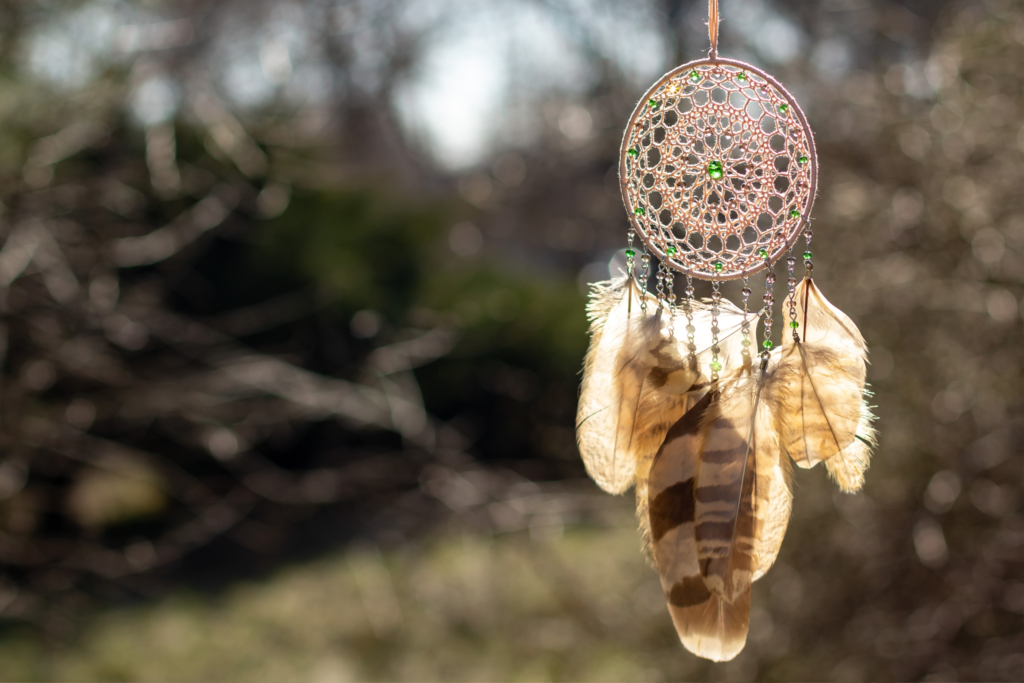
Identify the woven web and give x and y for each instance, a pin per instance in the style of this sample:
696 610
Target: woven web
703 115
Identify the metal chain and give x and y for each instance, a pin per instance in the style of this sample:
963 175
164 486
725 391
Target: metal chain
670 282
645 275
745 342
630 253
769 303
808 266
791 283
716 298
691 345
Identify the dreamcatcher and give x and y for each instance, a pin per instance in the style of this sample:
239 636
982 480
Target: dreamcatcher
718 174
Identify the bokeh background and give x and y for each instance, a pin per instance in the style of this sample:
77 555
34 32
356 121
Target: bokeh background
292 320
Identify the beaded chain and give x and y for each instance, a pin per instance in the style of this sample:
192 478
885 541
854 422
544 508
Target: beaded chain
716 298
791 283
769 304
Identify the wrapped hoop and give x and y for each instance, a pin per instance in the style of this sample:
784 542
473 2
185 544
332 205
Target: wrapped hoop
718 169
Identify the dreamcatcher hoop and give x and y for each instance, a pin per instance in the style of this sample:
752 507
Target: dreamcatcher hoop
718 168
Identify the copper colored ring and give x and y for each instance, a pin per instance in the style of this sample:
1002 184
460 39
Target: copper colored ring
751 172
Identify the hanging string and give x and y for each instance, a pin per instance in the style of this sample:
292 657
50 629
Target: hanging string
713 28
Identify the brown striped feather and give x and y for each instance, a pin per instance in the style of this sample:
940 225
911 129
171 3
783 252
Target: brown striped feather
708 626
743 494
678 377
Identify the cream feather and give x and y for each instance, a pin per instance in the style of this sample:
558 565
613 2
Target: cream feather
822 381
612 307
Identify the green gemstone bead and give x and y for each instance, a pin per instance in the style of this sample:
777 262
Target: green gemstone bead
793 213
718 266
630 253
633 152
741 77
807 256
783 108
652 103
695 76
671 250
794 324
803 160
763 253
715 169
638 211
745 342
716 366
767 343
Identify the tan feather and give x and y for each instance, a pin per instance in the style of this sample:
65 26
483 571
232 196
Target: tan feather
708 625
822 380
612 306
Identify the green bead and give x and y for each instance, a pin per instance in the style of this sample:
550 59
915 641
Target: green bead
783 108
671 250
745 342
633 152
793 213
652 103
794 324
638 211
741 77
803 160
763 253
715 169
807 256
630 253
695 76
715 366
718 266
767 343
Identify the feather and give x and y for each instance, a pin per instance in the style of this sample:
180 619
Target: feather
821 380
708 625
611 308
677 378
743 494
848 466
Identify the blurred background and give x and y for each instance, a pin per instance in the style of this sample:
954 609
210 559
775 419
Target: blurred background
292 305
